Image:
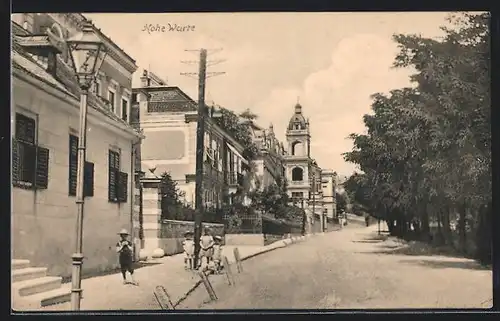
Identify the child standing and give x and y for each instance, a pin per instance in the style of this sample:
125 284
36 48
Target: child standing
207 246
188 246
124 250
217 253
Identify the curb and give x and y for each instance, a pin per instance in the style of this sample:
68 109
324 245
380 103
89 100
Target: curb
271 247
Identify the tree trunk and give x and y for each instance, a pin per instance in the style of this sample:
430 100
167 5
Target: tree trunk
462 229
448 237
440 236
390 226
425 235
483 235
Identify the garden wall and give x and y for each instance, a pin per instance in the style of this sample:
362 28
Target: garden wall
172 234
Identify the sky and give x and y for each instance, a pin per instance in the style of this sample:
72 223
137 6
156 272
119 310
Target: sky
330 62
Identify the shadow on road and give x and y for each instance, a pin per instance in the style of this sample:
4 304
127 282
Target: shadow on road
470 265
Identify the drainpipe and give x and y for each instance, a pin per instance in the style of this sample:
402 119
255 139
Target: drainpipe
132 198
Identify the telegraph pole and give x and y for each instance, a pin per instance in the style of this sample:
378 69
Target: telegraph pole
200 148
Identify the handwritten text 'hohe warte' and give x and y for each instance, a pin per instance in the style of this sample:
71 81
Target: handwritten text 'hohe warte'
169 27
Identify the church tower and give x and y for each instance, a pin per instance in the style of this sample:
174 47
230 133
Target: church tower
298 158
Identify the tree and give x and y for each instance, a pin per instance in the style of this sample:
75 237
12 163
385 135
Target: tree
248 114
427 154
240 131
341 202
171 204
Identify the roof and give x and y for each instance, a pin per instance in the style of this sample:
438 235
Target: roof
25 64
297 118
108 38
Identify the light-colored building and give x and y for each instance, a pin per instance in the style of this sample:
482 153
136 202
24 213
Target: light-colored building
298 160
45 122
308 184
168 118
329 187
269 162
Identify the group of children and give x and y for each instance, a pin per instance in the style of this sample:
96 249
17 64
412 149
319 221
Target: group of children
210 251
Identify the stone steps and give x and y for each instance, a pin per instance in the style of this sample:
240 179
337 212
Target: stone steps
33 289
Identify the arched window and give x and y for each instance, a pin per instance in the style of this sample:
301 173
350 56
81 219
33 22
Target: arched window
297 174
297 148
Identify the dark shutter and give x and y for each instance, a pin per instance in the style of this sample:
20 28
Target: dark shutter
16 166
122 187
88 179
28 156
73 164
42 168
111 177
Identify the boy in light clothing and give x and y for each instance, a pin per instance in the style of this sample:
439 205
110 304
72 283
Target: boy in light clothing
188 246
124 250
217 253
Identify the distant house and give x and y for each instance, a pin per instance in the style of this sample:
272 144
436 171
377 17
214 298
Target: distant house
168 118
45 124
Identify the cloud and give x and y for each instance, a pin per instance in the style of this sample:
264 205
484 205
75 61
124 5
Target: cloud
336 97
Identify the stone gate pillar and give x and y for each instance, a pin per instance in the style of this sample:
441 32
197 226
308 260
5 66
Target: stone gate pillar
151 216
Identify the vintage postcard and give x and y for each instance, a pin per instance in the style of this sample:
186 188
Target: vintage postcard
190 161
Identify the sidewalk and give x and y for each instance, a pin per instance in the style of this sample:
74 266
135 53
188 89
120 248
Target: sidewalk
108 293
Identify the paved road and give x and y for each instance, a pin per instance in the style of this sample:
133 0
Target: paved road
343 270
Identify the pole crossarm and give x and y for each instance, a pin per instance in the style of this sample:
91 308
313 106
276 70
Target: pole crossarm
215 73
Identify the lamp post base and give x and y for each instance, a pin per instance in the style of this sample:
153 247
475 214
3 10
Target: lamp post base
76 281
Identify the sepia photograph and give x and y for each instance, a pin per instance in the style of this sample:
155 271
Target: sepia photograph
251 160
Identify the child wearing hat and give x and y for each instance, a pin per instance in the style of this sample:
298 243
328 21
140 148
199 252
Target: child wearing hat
217 253
188 246
124 250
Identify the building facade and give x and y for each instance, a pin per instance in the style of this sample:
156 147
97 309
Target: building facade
168 118
268 165
308 184
298 161
45 123
329 187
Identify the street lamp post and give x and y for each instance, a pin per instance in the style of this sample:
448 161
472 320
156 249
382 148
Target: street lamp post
87 54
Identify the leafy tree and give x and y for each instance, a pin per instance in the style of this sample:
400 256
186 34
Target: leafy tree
240 131
248 114
170 197
341 202
427 152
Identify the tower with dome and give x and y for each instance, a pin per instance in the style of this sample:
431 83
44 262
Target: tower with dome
306 185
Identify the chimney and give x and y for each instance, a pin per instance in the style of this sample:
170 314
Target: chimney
145 81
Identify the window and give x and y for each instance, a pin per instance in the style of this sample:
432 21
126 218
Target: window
111 98
117 181
297 148
297 174
297 195
88 172
30 163
124 109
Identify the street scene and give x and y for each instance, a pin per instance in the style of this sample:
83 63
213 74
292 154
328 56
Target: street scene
191 162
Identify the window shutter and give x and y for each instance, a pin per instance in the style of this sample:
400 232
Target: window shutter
122 187
73 164
15 162
112 186
88 179
28 156
42 168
